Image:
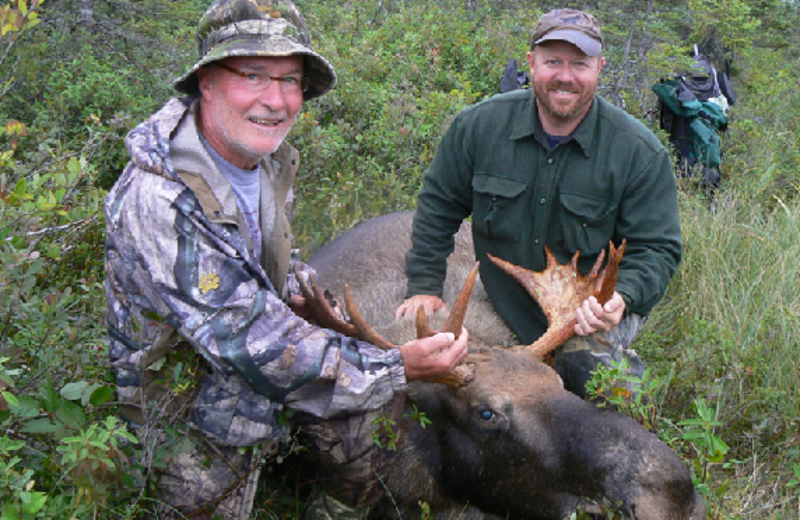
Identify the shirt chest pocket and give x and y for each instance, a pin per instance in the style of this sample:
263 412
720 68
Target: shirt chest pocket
587 224
498 206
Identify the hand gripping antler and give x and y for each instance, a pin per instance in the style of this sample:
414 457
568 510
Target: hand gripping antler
324 314
560 289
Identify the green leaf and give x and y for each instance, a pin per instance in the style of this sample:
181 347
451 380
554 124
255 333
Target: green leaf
26 407
49 396
73 391
86 395
53 251
128 436
101 395
33 502
10 398
9 512
158 364
42 425
176 372
21 187
71 415
74 166
718 445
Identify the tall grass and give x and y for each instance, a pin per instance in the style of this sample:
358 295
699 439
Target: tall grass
729 331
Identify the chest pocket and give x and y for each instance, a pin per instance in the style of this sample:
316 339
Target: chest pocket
587 224
498 206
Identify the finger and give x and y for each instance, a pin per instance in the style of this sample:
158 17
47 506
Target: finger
582 327
615 304
455 352
462 342
593 312
594 306
442 340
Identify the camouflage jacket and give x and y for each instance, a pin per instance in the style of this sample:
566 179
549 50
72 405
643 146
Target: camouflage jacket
182 281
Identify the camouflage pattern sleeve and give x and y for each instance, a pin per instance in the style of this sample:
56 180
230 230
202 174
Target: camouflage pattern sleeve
167 260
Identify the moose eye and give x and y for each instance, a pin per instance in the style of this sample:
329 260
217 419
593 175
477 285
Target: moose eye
486 415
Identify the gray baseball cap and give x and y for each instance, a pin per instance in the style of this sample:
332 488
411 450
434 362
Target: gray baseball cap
272 28
576 27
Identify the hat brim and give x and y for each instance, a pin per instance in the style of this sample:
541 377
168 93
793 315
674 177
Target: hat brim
321 76
589 45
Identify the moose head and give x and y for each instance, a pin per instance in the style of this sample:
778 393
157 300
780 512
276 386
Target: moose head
506 438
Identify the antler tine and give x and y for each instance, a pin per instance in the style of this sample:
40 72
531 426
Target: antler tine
363 330
456 318
320 309
609 276
597 263
423 329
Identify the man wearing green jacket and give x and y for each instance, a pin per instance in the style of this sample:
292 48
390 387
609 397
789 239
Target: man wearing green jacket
557 167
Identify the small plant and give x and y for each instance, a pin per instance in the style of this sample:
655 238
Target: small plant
425 509
385 435
18 498
419 416
615 386
590 509
92 454
700 432
796 480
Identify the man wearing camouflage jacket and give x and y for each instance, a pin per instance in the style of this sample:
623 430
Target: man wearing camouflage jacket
204 320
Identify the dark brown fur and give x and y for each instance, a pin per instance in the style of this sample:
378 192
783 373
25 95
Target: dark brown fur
512 443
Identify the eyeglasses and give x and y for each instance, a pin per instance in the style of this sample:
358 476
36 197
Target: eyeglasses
258 82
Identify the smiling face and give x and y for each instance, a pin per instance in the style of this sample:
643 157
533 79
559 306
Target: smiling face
564 80
241 123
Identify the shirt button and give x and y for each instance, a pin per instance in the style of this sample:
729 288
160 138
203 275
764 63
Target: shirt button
536 241
543 201
585 225
550 160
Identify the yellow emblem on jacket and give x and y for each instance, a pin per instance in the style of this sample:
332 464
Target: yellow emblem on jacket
208 282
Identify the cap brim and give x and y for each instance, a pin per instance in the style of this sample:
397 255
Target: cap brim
589 45
322 77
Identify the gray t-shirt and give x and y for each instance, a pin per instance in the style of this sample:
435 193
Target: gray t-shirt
247 188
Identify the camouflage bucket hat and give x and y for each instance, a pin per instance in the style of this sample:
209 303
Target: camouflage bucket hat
570 25
257 28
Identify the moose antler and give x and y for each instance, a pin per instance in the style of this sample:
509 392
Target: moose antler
560 289
324 314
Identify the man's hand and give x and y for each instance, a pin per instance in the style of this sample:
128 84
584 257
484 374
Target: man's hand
299 306
430 303
593 317
433 356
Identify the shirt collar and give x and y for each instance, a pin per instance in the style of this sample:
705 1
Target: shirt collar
530 125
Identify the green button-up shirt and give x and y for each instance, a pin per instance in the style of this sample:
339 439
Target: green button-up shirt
612 179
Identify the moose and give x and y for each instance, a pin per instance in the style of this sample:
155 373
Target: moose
506 439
